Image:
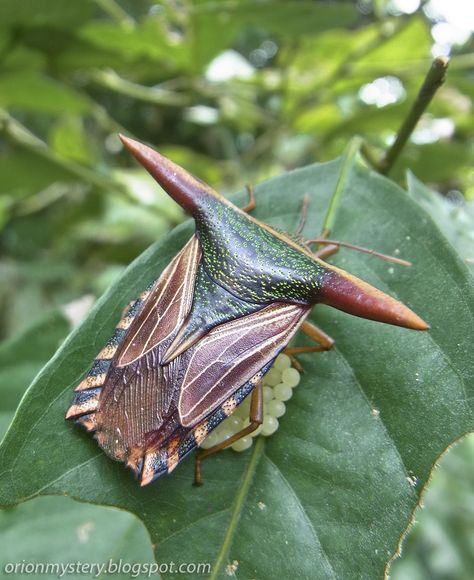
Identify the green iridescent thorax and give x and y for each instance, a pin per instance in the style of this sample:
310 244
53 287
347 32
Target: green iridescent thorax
246 265
252 262
212 305
243 268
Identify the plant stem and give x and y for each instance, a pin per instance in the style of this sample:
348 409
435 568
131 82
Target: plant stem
237 508
351 153
155 95
433 80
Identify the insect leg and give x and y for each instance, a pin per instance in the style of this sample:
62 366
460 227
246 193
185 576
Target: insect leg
316 334
325 342
255 418
251 203
327 251
303 215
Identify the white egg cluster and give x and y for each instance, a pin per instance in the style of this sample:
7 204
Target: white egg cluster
278 385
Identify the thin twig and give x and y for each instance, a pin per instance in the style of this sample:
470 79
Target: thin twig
155 95
433 80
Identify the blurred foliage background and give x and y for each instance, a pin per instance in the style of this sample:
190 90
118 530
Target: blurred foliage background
235 91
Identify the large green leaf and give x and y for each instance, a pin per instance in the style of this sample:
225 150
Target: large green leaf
48 527
23 356
58 530
332 492
455 220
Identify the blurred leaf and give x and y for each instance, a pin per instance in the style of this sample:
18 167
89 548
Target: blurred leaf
120 219
346 469
84 56
202 166
24 173
5 203
58 530
23 356
370 119
328 50
454 220
411 43
322 62
440 544
22 58
216 26
464 83
35 13
434 162
154 95
143 188
319 119
31 286
68 138
31 92
148 39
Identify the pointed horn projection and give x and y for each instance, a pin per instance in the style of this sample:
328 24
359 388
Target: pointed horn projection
183 187
350 294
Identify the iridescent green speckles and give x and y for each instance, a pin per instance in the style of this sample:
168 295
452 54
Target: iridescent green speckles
253 262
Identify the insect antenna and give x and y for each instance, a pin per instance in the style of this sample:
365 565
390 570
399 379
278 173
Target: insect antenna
391 259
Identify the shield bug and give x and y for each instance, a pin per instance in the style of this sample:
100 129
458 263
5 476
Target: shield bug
200 339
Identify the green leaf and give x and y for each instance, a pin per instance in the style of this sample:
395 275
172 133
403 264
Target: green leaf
24 173
68 138
47 13
61 531
215 26
23 356
148 40
441 540
52 526
410 44
434 162
344 473
32 92
454 220
369 119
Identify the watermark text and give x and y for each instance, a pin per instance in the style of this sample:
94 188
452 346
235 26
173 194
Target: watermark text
111 567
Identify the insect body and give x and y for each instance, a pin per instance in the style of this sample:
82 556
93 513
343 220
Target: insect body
200 339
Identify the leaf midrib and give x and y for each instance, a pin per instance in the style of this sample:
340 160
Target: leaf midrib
236 509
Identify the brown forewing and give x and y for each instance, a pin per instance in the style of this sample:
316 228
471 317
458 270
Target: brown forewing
137 395
231 354
166 307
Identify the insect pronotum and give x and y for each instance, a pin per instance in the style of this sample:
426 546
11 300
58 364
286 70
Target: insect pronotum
194 344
